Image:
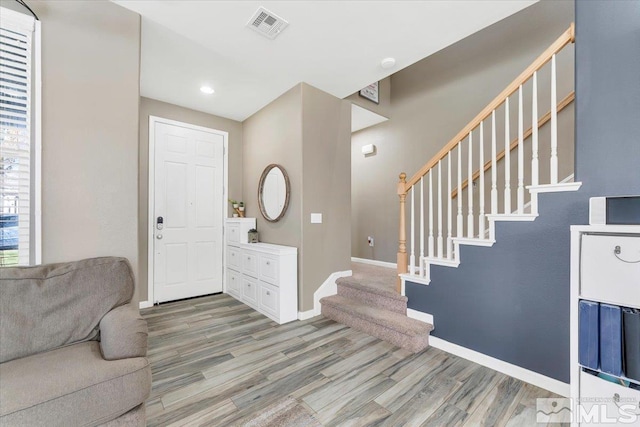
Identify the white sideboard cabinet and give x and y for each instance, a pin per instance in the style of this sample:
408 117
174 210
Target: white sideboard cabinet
262 275
605 270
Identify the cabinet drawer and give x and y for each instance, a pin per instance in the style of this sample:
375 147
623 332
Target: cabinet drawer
233 258
250 263
269 298
233 234
604 274
269 269
611 399
249 289
233 283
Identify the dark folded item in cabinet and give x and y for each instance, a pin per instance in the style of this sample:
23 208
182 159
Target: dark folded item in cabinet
589 332
611 339
631 326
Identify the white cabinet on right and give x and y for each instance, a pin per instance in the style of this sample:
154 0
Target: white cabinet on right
605 325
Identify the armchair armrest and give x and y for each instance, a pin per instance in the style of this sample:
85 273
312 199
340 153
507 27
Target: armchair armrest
123 333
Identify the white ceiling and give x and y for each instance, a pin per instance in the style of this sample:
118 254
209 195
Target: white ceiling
335 46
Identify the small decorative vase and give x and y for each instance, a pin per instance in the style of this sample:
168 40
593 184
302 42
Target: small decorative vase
235 206
235 215
241 208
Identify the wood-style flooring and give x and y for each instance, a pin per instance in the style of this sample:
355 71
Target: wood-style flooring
215 361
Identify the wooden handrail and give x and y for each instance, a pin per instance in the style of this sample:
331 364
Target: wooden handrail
561 106
567 37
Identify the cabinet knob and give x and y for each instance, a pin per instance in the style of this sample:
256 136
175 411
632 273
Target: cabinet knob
268 293
268 263
248 285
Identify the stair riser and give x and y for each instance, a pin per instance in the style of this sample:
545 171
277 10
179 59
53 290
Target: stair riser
373 300
412 343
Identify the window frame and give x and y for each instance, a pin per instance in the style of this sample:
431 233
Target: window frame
29 23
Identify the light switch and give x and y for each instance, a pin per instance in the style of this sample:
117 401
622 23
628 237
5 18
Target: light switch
316 218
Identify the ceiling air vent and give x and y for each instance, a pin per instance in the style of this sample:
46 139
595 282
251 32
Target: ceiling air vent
267 23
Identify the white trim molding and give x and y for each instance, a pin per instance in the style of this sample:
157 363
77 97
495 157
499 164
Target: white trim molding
327 289
554 188
304 315
145 304
518 372
421 316
374 262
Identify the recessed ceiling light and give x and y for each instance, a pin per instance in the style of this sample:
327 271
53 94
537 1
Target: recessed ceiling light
207 89
388 63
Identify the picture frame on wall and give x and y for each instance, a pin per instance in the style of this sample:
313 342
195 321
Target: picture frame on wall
371 93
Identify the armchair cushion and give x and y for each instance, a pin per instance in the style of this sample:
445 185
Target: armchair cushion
50 306
70 386
123 333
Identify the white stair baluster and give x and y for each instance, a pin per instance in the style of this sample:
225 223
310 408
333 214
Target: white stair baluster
481 225
554 124
507 160
520 153
534 142
459 231
449 212
470 188
421 261
412 257
439 242
494 167
431 213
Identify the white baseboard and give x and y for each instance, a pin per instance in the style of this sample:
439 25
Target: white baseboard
304 315
539 380
419 315
374 262
145 304
327 289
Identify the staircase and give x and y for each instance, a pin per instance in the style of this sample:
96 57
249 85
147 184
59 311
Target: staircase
460 171
378 312
437 226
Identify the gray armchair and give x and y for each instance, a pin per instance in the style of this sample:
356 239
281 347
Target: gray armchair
72 346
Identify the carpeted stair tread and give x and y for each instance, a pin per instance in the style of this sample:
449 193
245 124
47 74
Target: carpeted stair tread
397 322
360 285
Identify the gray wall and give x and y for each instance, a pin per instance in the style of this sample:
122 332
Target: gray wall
434 98
274 135
326 189
608 105
307 132
90 65
511 301
152 107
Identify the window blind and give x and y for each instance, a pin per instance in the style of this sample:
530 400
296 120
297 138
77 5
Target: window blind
16 33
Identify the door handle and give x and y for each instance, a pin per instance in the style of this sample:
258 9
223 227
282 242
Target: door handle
159 236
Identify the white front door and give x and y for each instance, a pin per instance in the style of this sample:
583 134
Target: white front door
188 211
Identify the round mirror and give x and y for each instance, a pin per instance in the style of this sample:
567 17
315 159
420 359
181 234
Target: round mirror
273 193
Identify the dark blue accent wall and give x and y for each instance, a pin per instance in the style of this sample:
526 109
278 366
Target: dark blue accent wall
511 301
